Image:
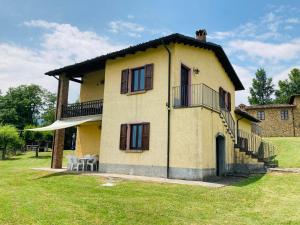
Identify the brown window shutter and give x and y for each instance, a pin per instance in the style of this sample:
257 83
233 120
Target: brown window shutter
124 81
149 76
146 136
123 137
229 101
221 97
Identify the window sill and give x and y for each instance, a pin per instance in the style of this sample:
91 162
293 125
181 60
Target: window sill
133 151
136 92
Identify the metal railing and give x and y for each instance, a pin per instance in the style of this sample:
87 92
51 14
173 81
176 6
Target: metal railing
229 120
195 95
254 145
256 129
82 109
201 95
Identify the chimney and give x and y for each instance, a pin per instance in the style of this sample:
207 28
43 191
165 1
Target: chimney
242 107
201 35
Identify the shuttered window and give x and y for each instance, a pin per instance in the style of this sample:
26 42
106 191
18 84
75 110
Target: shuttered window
123 137
124 81
137 79
225 99
138 138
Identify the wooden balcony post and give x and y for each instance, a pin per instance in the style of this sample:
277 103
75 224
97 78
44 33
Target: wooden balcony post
59 136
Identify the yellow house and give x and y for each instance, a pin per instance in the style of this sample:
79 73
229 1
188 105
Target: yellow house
163 108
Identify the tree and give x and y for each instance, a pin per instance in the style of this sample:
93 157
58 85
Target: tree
9 138
288 87
25 104
262 89
48 116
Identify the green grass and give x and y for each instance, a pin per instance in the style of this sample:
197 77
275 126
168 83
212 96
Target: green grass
37 197
288 151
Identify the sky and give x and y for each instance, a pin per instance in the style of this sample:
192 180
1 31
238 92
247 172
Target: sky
38 36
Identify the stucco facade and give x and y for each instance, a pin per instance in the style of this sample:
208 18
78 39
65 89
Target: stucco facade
192 141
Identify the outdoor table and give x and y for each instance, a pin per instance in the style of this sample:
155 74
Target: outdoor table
85 160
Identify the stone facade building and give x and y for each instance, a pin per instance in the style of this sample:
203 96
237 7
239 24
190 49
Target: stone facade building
278 120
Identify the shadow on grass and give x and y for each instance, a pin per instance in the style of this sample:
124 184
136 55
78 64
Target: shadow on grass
247 181
40 157
10 159
59 174
237 181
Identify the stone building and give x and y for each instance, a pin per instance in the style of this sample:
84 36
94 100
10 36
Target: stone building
278 120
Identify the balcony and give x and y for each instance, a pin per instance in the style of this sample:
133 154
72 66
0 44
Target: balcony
200 95
82 109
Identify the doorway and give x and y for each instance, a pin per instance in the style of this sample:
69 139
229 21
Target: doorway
220 155
184 85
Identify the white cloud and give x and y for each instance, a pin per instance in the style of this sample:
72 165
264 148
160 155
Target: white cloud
134 29
293 20
61 44
268 51
246 76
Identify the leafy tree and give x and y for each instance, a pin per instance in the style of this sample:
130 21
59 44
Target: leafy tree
288 87
262 89
37 137
25 104
9 138
48 116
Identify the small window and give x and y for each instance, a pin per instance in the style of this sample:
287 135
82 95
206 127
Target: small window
261 115
138 79
284 113
136 136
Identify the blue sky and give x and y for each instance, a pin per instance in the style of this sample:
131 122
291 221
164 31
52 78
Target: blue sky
37 36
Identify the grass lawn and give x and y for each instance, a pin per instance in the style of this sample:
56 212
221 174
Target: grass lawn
288 151
37 197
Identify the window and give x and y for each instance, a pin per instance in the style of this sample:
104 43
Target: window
135 136
261 115
225 99
138 79
284 113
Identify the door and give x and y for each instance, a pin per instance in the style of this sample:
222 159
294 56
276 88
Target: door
184 85
220 155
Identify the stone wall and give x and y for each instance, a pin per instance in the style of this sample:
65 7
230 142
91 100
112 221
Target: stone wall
296 111
273 125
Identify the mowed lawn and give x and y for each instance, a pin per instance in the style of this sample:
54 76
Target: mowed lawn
36 197
288 151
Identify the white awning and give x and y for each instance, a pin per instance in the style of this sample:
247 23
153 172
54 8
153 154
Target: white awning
69 122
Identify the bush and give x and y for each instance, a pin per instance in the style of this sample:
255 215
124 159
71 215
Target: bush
9 139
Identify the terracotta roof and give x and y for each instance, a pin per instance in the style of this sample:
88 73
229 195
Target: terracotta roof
79 69
246 115
270 106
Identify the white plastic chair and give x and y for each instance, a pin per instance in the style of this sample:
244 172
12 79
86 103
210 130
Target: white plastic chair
78 163
71 162
92 162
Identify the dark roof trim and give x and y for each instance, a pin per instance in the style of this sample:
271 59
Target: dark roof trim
271 106
246 115
291 101
79 69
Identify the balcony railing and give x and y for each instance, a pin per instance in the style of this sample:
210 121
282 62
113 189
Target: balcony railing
254 145
201 95
82 109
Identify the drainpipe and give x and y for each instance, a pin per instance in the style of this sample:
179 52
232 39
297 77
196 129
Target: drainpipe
168 107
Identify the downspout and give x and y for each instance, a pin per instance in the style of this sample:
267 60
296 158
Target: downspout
168 107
